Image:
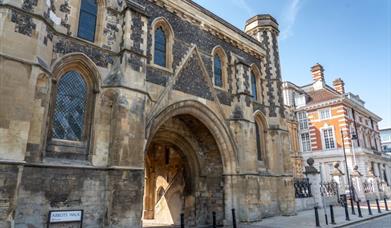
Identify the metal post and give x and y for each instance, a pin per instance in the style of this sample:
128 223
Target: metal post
385 204
317 217
378 206
359 209
346 210
182 220
352 206
332 215
369 208
347 173
233 218
214 219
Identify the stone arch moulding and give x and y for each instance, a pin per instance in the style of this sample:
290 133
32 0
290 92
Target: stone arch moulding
82 63
217 128
170 37
218 50
224 140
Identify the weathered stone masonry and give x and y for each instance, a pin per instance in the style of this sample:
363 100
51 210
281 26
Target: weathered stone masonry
135 105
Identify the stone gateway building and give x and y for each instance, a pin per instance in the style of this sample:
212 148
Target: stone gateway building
135 111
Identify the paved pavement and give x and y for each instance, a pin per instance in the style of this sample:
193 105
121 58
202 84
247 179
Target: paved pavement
306 219
374 223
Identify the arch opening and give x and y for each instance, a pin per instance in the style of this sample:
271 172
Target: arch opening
183 174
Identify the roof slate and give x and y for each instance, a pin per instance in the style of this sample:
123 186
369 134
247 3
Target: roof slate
321 95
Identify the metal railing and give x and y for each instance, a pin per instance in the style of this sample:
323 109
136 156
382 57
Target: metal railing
329 189
302 188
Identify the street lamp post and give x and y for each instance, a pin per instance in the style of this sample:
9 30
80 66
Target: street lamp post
347 173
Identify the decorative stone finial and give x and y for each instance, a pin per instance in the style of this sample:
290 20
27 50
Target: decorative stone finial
310 161
337 171
355 172
310 169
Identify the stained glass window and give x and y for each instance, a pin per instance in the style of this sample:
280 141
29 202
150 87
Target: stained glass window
160 47
87 19
70 106
253 86
218 73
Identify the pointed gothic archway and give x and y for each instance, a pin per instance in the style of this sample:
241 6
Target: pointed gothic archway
188 162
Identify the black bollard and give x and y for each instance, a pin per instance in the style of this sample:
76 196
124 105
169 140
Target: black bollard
332 215
369 208
346 210
233 219
325 218
359 209
385 204
182 220
317 217
352 205
214 219
378 206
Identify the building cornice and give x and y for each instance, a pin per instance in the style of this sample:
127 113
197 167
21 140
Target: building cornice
344 101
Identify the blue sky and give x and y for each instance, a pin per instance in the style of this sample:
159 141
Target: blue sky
350 38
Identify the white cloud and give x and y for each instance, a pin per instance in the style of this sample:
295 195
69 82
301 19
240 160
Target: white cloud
289 16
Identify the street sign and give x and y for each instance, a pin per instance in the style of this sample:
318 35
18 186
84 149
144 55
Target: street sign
65 216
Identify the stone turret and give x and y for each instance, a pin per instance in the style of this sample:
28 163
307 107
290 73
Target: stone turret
264 28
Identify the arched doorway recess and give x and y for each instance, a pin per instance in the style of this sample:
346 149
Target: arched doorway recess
185 171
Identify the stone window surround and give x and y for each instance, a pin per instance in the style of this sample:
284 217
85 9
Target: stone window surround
261 122
99 24
323 139
257 73
218 50
75 150
302 142
169 32
325 110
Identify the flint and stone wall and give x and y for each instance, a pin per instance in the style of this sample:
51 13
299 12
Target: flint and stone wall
39 39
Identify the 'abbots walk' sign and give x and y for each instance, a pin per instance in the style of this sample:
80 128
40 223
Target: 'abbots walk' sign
65 216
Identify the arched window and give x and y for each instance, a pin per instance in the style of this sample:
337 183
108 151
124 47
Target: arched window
255 83
258 138
162 43
87 20
218 73
73 93
70 107
260 134
160 47
254 91
220 61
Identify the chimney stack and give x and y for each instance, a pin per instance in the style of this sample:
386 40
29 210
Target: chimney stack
317 72
339 85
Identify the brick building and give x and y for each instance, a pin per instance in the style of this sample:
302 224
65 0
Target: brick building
138 110
328 120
